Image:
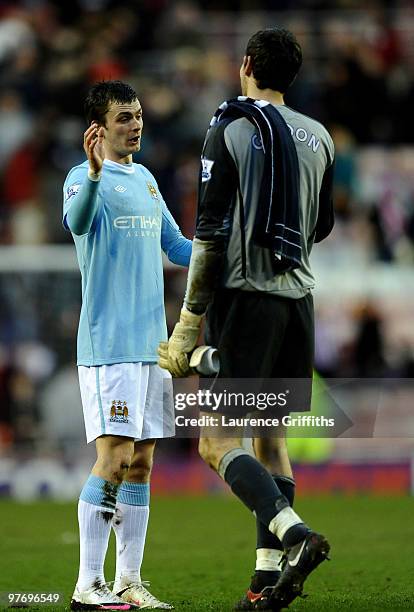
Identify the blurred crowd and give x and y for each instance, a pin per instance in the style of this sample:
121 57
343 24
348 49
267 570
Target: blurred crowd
183 59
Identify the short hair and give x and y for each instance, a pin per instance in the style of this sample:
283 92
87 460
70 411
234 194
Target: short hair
276 58
102 94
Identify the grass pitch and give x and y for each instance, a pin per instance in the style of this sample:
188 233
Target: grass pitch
200 552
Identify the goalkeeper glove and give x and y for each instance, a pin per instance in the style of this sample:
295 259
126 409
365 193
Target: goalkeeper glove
174 354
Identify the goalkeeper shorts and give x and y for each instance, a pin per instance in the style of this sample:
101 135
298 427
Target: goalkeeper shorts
263 337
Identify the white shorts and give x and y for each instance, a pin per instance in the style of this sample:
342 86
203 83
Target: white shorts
127 399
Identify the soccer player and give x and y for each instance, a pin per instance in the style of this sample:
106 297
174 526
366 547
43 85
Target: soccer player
120 224
265 197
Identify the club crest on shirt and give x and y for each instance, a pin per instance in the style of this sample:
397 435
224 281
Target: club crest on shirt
152 190
119 412
206 168
72 190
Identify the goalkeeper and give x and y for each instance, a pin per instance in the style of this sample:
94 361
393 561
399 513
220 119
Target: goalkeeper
265 197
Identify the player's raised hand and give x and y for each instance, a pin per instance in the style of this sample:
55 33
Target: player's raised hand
93 145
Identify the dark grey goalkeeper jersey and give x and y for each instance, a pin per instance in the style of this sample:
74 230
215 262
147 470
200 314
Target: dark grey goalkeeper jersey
230 180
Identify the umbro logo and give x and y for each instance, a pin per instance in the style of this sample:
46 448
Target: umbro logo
120 189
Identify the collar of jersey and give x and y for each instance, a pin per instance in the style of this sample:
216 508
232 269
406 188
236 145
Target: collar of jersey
126 168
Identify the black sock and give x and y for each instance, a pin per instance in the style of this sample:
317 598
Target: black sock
262 579
298 532
265 538
255 487
295 534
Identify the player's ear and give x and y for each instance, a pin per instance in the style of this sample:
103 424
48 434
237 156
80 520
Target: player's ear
248 65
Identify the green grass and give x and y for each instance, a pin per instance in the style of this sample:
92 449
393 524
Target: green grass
200 552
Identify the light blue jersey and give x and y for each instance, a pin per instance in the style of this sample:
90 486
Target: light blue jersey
119 225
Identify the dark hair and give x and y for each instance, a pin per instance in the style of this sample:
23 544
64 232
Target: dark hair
101 95
276 58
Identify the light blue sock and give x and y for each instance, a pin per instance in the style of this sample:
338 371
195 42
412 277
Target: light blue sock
95 512
99 492
134 493
130 526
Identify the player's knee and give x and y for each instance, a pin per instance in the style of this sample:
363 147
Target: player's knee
115 465
204 449
140 469
120 467
208 452
272 453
